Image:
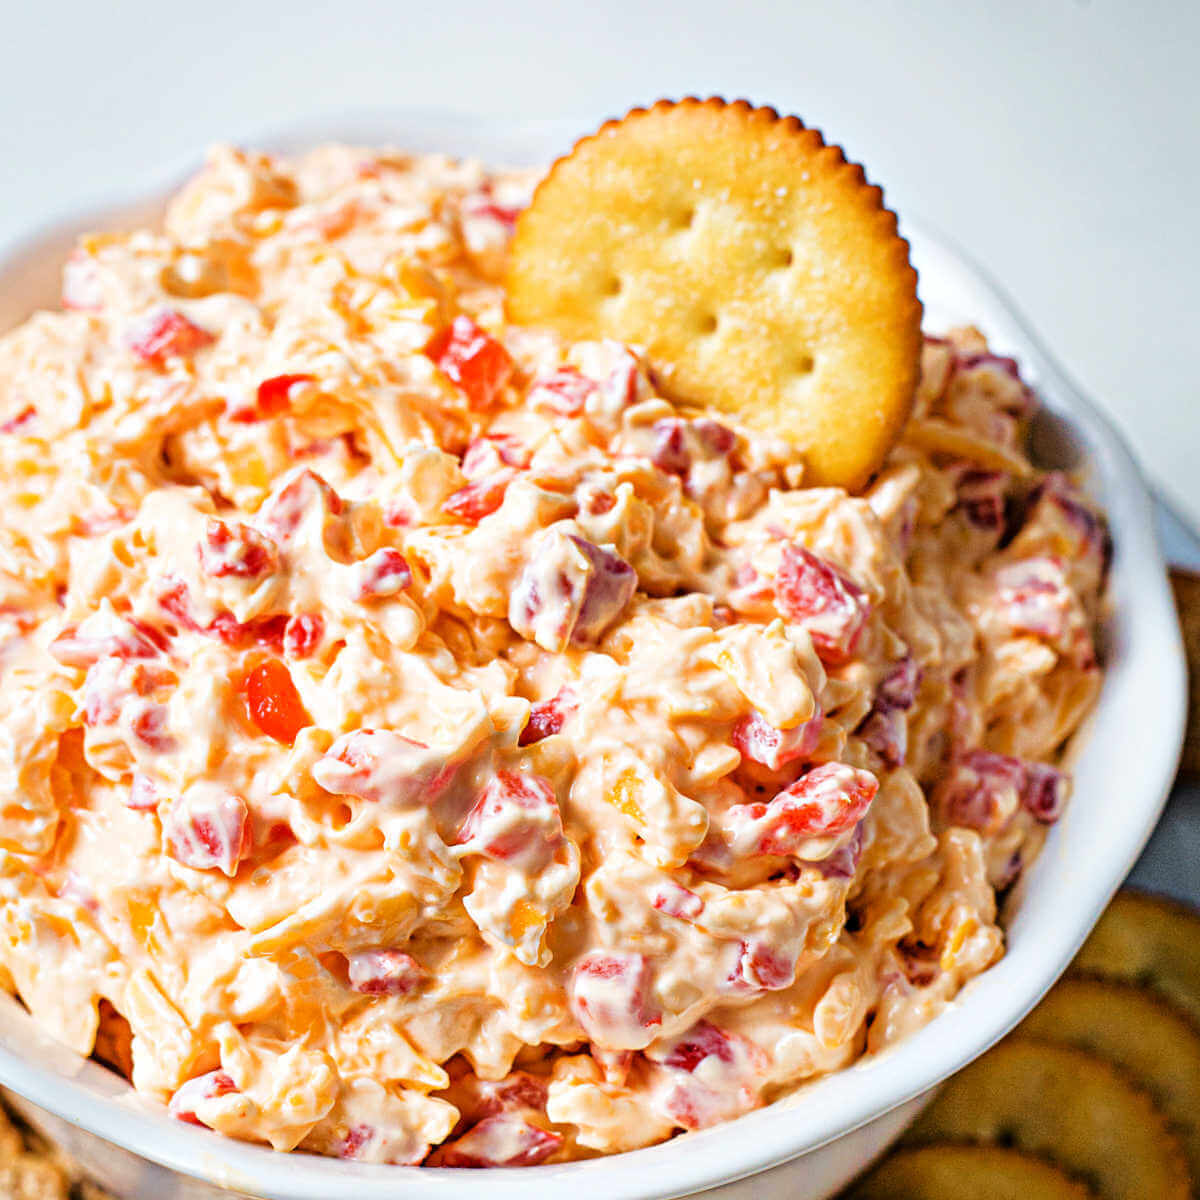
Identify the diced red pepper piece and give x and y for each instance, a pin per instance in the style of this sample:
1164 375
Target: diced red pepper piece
383 573
303 634
186 1099
565 392
143 795
515 817
237 550
126 639
21 421
273 702
570 590
825 802
260 631
473 360
480 498
814 594
702 1041
385 973
168 334
149 726
485 455
677 901
1035 597
671 451
984 789
273 397
208 828
612 999
503 1140
547 717
382 767
982 499
283 511
763 968
885 728
756 739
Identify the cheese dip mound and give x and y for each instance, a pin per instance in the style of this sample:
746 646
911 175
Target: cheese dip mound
421 742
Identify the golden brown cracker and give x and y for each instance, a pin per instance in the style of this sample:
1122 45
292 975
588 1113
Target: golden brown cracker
758 268
952 1171
1137 1031
1151 941
1062 1104
1186 585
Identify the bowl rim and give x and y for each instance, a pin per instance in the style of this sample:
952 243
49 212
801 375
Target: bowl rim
828 1108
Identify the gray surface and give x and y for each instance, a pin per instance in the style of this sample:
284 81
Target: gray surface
1171 862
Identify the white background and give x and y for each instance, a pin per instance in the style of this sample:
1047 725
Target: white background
1057 141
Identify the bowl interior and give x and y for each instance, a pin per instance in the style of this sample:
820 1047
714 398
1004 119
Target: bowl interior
1125 764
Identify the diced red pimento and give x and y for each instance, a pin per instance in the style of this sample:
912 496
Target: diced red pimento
283 511
113 637
984 789
503 1140
674 900
825 802
710 1075
237 550
703 1040
473 360
483 203
762 968
208 828
168 334
570 591
815 595
756 739
272 398
983 499
1034 597
143 795
885 728
611 995
487 454
354 1141
149 726
515 818
186 1099
272 701
566 391
302 634
385 973
480 498
259 631
21 421
383 573
677 443
382 767
547 717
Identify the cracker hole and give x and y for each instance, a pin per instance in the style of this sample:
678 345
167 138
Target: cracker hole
707 323
612 286
686 218
784 258
805 364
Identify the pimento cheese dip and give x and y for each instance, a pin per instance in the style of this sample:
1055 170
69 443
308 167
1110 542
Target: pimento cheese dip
421 742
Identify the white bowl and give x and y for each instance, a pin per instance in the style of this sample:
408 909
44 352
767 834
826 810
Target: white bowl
1126 761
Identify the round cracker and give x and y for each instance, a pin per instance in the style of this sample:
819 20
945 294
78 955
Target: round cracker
1148 940
1186 585
1137 1031
758 268
1069 1107
960 1172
